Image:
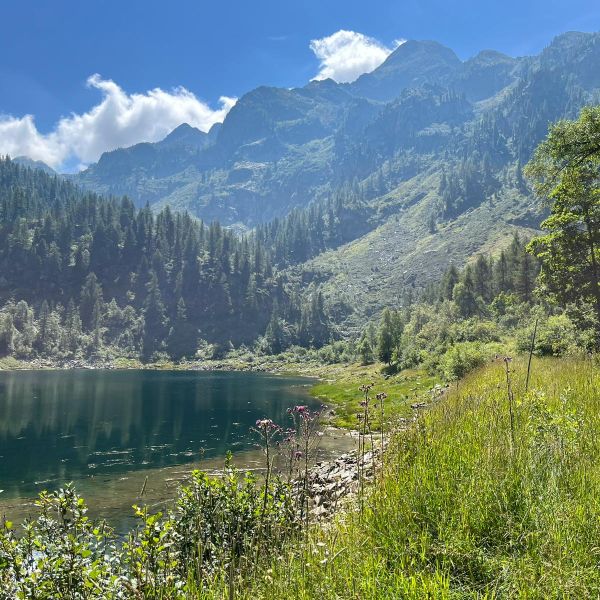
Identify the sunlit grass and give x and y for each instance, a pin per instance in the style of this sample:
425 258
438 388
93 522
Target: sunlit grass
465 506
340 390
461 513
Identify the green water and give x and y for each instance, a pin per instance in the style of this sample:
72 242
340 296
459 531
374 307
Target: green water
106 426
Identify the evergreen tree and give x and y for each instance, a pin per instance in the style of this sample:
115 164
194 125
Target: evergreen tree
274 334
501 276
154 319
451 278
91 303
72 330
565 171
482 278
464 295
183 338
385 338
365 350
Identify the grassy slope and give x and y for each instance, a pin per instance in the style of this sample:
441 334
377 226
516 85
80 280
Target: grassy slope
340 389
461 512
374 270
339 383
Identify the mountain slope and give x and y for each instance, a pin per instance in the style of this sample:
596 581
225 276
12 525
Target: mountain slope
431 147
411 64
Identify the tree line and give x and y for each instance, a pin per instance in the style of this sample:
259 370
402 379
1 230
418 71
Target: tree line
81 272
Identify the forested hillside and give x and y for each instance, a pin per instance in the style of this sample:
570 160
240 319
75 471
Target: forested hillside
346 199
81 273
427 152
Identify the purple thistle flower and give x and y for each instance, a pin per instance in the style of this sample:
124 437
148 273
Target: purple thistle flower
266 424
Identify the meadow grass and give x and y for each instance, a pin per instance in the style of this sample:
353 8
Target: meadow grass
462 511
339 389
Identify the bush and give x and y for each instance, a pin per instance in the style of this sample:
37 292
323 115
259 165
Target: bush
215 524
461 358
556 336
476 330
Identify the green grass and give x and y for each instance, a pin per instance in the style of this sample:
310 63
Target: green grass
340 390
463 513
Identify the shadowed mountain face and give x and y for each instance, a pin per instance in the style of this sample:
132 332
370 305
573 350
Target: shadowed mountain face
426 152
279 149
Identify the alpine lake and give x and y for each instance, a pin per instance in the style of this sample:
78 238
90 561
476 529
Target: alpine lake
127 437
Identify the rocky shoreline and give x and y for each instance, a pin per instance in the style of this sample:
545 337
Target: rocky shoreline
130 364
332 483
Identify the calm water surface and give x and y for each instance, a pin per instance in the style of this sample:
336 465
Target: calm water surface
108 430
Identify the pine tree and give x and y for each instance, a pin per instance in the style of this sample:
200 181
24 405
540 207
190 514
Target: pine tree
183 338
451 278
274 335
501 276
385 338
525 277
365 350
154 318
464 295
72 329
91 303
482 278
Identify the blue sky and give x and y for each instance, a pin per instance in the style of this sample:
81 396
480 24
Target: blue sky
49 50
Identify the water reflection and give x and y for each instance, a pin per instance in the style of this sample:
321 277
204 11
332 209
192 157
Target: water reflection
57 426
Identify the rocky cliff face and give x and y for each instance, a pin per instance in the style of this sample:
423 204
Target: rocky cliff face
278 148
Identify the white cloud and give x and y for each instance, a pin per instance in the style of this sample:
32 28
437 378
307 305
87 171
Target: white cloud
345 55
119 120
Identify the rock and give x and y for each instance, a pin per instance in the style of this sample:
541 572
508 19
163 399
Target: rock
417 405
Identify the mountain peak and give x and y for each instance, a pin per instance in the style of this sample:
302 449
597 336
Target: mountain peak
426 48
25 161
411 64
185 134
491 57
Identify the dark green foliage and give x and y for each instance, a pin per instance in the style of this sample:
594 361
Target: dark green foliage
364 349
306 232
465 295
130 279
565 172
385 338
459 323
313 330
217 525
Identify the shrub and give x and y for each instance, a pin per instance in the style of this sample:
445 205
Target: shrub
556 336
461 358
215 525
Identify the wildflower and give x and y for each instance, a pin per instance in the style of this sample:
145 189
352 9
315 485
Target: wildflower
266 425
